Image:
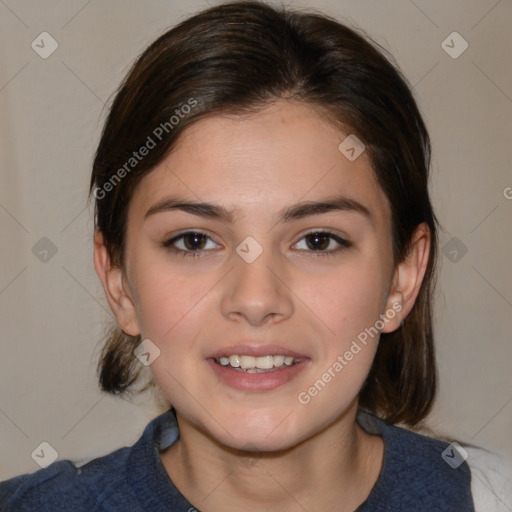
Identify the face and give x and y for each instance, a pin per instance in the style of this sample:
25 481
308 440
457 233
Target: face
290 257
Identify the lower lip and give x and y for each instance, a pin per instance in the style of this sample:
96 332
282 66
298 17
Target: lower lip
257 381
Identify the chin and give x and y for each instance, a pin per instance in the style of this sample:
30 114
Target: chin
259 432
259 443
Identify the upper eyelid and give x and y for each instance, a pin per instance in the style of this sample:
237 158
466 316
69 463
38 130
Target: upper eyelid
180 235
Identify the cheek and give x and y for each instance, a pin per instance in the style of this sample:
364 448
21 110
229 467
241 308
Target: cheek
167 300
172 309
350 307
350 299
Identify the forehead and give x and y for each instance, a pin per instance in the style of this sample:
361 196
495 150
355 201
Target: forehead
257 164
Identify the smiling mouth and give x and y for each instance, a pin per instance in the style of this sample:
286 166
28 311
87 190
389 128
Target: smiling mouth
251 364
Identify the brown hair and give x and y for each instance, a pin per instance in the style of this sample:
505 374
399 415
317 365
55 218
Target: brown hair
236 58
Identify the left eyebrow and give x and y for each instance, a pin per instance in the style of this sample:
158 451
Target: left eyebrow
287 214
334 204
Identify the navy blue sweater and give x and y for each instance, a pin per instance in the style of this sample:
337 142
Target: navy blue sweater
415 477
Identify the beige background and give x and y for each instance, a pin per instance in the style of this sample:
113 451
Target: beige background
52 313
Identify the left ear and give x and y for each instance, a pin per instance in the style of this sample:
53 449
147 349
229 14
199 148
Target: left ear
408 277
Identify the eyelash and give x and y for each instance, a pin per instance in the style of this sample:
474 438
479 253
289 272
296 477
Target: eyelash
344 244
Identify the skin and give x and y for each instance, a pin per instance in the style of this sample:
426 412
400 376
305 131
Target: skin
263 450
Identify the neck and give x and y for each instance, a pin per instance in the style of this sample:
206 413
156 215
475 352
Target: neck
333 470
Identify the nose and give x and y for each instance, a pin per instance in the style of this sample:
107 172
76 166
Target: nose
257 292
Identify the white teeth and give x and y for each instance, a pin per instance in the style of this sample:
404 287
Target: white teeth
233 361
257 363
278 361
265 362
247 362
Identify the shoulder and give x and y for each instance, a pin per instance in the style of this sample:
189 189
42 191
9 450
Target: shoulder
420 455
414 452
432 473
419 472
116 481
460 472
65 486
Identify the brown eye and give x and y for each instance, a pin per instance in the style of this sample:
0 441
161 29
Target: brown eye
189 243
194 241
318 241
321 241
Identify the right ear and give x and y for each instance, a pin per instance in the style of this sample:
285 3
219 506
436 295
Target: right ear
117 292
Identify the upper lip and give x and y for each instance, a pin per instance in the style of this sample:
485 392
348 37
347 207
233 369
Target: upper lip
256 349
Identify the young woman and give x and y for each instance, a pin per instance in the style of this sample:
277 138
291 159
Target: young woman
266 241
